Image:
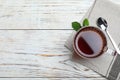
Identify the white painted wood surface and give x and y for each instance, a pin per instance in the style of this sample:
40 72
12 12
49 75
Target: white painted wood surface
37 54
52 79
41 14
28 54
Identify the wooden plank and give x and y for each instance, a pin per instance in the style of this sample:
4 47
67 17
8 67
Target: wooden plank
38 53
52 79
41 14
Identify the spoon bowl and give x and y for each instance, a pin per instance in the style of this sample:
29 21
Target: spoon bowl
102 23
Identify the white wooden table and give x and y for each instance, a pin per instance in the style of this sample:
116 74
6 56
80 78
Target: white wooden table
32 37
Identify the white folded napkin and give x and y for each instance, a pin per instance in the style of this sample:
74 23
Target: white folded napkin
107 64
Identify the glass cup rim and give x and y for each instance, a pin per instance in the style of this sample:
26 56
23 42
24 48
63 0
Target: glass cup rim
101 33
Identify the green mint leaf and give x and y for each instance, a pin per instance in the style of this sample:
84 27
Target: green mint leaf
76 25
86 22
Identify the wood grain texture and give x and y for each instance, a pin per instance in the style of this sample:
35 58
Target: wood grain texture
33 53
41 14
52 79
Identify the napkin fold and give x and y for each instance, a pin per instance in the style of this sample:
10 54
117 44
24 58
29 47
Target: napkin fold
108 64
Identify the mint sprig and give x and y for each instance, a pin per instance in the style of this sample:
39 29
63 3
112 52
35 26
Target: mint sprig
76 25
85 22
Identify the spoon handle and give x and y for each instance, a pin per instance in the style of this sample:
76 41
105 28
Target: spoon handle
113 42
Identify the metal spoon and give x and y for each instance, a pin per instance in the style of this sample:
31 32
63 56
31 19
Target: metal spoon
102 23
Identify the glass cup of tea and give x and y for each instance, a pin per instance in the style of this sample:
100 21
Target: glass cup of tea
90 42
